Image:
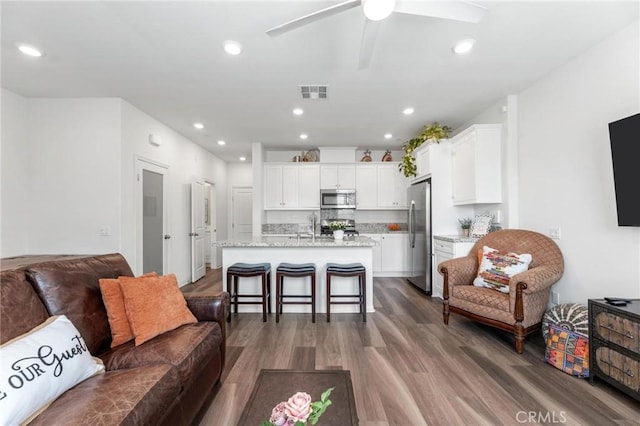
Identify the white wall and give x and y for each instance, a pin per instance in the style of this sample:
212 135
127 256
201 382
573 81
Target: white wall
68 169
566 178
14 155
186 161
74 168
240 174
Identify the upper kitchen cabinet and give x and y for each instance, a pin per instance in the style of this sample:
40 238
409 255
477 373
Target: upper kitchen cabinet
428 156
366 186
392 187
291 186
476 165
337 176
380 187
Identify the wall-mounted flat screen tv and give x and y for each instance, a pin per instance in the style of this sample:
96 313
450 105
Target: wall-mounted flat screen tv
625 152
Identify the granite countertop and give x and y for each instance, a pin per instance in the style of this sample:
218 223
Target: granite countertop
455 238
293 241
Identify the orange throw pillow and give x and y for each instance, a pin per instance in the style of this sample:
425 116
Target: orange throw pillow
154 306
116 313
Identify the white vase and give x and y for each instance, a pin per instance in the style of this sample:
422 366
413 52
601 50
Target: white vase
338 234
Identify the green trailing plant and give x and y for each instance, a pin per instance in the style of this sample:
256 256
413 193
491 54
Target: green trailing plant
434 132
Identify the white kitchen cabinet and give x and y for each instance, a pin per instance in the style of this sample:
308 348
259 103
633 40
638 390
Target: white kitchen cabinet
390 255
380 187
308 186
423 160
366 186
476 165
429 156
337 176
377 253
392 187
393 253
291 186
445 249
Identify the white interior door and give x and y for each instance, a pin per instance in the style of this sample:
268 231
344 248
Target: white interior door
242 214
213 258
198 231
152 218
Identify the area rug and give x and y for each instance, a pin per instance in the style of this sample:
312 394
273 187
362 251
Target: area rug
274 386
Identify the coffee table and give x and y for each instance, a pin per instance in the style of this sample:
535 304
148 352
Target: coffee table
274 386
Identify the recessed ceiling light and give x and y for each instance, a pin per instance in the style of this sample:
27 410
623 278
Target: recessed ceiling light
232 47
298 111
198 125
221 142
29 50
463 46
407 111
388 135
304 136
243 158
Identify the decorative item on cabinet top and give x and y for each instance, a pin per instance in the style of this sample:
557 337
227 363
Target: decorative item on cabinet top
310 156
387 156
433 132
367 157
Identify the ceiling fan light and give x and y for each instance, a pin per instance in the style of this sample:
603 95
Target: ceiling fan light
377 10
463 46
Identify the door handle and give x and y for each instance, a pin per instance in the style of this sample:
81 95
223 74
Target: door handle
167 236
193 234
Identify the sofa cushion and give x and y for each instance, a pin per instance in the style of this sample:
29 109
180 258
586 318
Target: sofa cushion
20 308
146 297
137 396
116 312
39 366
75 294
482 296
70 287
185 347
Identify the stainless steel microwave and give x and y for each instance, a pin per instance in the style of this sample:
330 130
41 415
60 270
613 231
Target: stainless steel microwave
338 198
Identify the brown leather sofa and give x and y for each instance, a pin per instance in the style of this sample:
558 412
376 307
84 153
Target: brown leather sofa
167 380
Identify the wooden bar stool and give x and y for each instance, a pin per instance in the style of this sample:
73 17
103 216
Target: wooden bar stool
244 270
299 270
348 270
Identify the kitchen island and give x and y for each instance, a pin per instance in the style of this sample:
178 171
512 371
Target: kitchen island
292 249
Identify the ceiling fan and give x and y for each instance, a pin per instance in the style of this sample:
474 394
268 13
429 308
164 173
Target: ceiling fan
376 10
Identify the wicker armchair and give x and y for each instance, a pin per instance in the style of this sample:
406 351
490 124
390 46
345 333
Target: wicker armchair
521 310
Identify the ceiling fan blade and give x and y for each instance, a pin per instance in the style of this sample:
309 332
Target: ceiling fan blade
312 17
368 43
455 10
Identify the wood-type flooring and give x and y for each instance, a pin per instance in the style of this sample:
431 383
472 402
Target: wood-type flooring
408 368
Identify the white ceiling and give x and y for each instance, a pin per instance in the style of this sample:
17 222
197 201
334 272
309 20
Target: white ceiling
166 59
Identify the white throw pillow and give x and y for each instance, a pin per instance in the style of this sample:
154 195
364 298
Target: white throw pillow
39 366
497 268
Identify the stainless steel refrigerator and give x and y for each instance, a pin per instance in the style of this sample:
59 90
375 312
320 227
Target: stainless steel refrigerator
419 251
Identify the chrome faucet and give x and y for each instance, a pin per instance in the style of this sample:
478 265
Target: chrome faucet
313 226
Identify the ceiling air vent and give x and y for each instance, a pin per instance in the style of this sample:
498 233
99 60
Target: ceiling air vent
313 92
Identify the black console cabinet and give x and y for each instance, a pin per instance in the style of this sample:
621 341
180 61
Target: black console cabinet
614 345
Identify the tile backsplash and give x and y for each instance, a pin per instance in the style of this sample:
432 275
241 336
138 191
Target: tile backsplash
367 221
